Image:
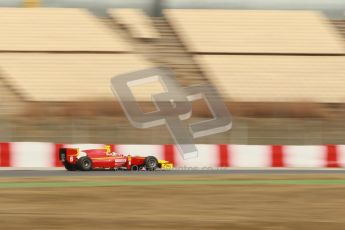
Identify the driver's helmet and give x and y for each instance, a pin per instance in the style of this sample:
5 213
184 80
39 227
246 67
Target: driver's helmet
108 149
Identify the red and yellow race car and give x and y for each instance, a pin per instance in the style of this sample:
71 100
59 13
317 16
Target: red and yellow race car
103 158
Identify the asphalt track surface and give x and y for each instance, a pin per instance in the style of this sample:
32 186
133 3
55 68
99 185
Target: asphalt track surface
63 173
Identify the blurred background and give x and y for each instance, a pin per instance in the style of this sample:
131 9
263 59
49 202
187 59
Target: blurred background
278 64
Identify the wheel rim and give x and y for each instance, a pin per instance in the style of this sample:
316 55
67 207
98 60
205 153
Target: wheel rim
152 163
86 164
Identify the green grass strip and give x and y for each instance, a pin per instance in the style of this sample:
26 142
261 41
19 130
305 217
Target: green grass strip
168 182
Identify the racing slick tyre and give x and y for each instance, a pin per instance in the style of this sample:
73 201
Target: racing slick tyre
84 164
69 167
151 163
134 168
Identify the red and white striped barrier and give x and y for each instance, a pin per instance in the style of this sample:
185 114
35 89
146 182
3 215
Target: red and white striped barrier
36 154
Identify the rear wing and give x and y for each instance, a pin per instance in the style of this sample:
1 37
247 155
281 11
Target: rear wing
65 153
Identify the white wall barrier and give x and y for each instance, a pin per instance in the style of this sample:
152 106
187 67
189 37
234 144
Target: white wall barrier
36 154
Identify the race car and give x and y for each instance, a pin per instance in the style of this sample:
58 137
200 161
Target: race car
85 160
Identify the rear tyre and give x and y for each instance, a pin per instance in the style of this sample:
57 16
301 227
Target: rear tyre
69 167
151 163
134 168
84 164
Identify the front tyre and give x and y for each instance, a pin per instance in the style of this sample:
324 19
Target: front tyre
151 163
84 164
